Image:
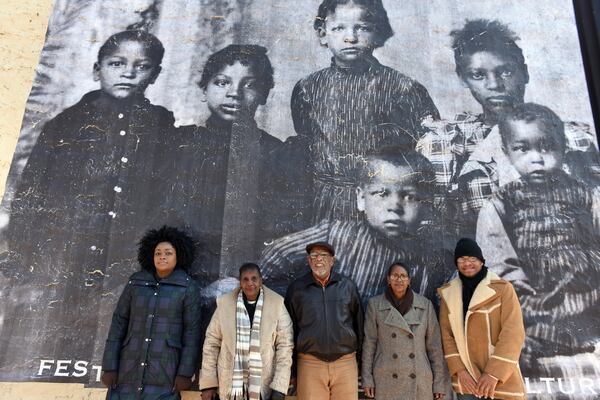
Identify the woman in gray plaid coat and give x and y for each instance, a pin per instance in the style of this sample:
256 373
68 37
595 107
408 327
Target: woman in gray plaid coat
154 341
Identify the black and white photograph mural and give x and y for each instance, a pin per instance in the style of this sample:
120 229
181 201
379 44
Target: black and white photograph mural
389 129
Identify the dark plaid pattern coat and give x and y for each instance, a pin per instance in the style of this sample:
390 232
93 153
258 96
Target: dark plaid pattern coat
154 336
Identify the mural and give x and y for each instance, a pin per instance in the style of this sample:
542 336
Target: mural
260 125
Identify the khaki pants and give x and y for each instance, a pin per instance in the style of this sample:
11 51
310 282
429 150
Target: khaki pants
321 380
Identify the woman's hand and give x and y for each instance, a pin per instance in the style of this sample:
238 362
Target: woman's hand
369 392
467 382
182 383
109 379
486 385
209 394
438 396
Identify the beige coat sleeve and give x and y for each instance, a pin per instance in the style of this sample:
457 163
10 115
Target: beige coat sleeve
210 353
455 364
510 340
284 347
435 354
369 346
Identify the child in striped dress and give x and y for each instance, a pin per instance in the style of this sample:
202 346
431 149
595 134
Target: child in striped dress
549 219
354 105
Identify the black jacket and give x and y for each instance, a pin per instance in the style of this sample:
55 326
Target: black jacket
328 321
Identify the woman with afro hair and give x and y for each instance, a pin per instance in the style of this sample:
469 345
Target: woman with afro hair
154 340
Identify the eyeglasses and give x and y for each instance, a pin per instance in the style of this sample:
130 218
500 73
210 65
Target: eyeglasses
466 259
314 256
397 277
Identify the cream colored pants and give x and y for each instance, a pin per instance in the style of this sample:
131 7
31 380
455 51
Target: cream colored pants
321 380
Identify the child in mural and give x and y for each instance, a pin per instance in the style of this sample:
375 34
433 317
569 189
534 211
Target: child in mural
80 205
355 104
466 152
394 193
226 169
551 220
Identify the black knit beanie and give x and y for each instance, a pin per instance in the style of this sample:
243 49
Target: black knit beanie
467 247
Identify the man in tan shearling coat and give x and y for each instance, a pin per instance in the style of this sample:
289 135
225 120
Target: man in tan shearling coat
482 329
274 342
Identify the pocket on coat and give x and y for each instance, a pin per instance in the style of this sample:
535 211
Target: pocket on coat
163 362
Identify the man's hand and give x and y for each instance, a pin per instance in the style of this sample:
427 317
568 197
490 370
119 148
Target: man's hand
209 394
467 382
369 392
109 379
486 386
438 396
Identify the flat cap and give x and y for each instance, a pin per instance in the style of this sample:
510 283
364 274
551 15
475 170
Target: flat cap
324 245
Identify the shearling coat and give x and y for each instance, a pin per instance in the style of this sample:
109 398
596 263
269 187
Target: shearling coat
276 344
488 339
402 355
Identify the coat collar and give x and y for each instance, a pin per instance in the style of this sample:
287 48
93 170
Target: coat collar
308 279
452 295
230 298
177 277
227 304
394 318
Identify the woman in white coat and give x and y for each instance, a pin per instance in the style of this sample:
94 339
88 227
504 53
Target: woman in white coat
247 353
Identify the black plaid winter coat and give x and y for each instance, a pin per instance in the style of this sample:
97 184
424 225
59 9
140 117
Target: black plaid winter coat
154 335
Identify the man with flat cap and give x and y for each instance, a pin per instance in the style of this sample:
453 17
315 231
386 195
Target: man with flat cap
327 317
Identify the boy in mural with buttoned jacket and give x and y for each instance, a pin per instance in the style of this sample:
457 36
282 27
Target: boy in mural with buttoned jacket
76 213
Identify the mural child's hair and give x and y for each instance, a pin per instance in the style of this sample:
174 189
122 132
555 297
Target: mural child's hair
250 55
375 14
153 47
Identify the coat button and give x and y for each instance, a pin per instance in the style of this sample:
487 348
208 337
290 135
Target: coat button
395 376
394 356
150 315
411 355
413 375
394 335
120 116
122 133
140 389
410 336
148 339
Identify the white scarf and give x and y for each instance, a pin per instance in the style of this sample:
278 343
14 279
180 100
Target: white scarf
247 366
